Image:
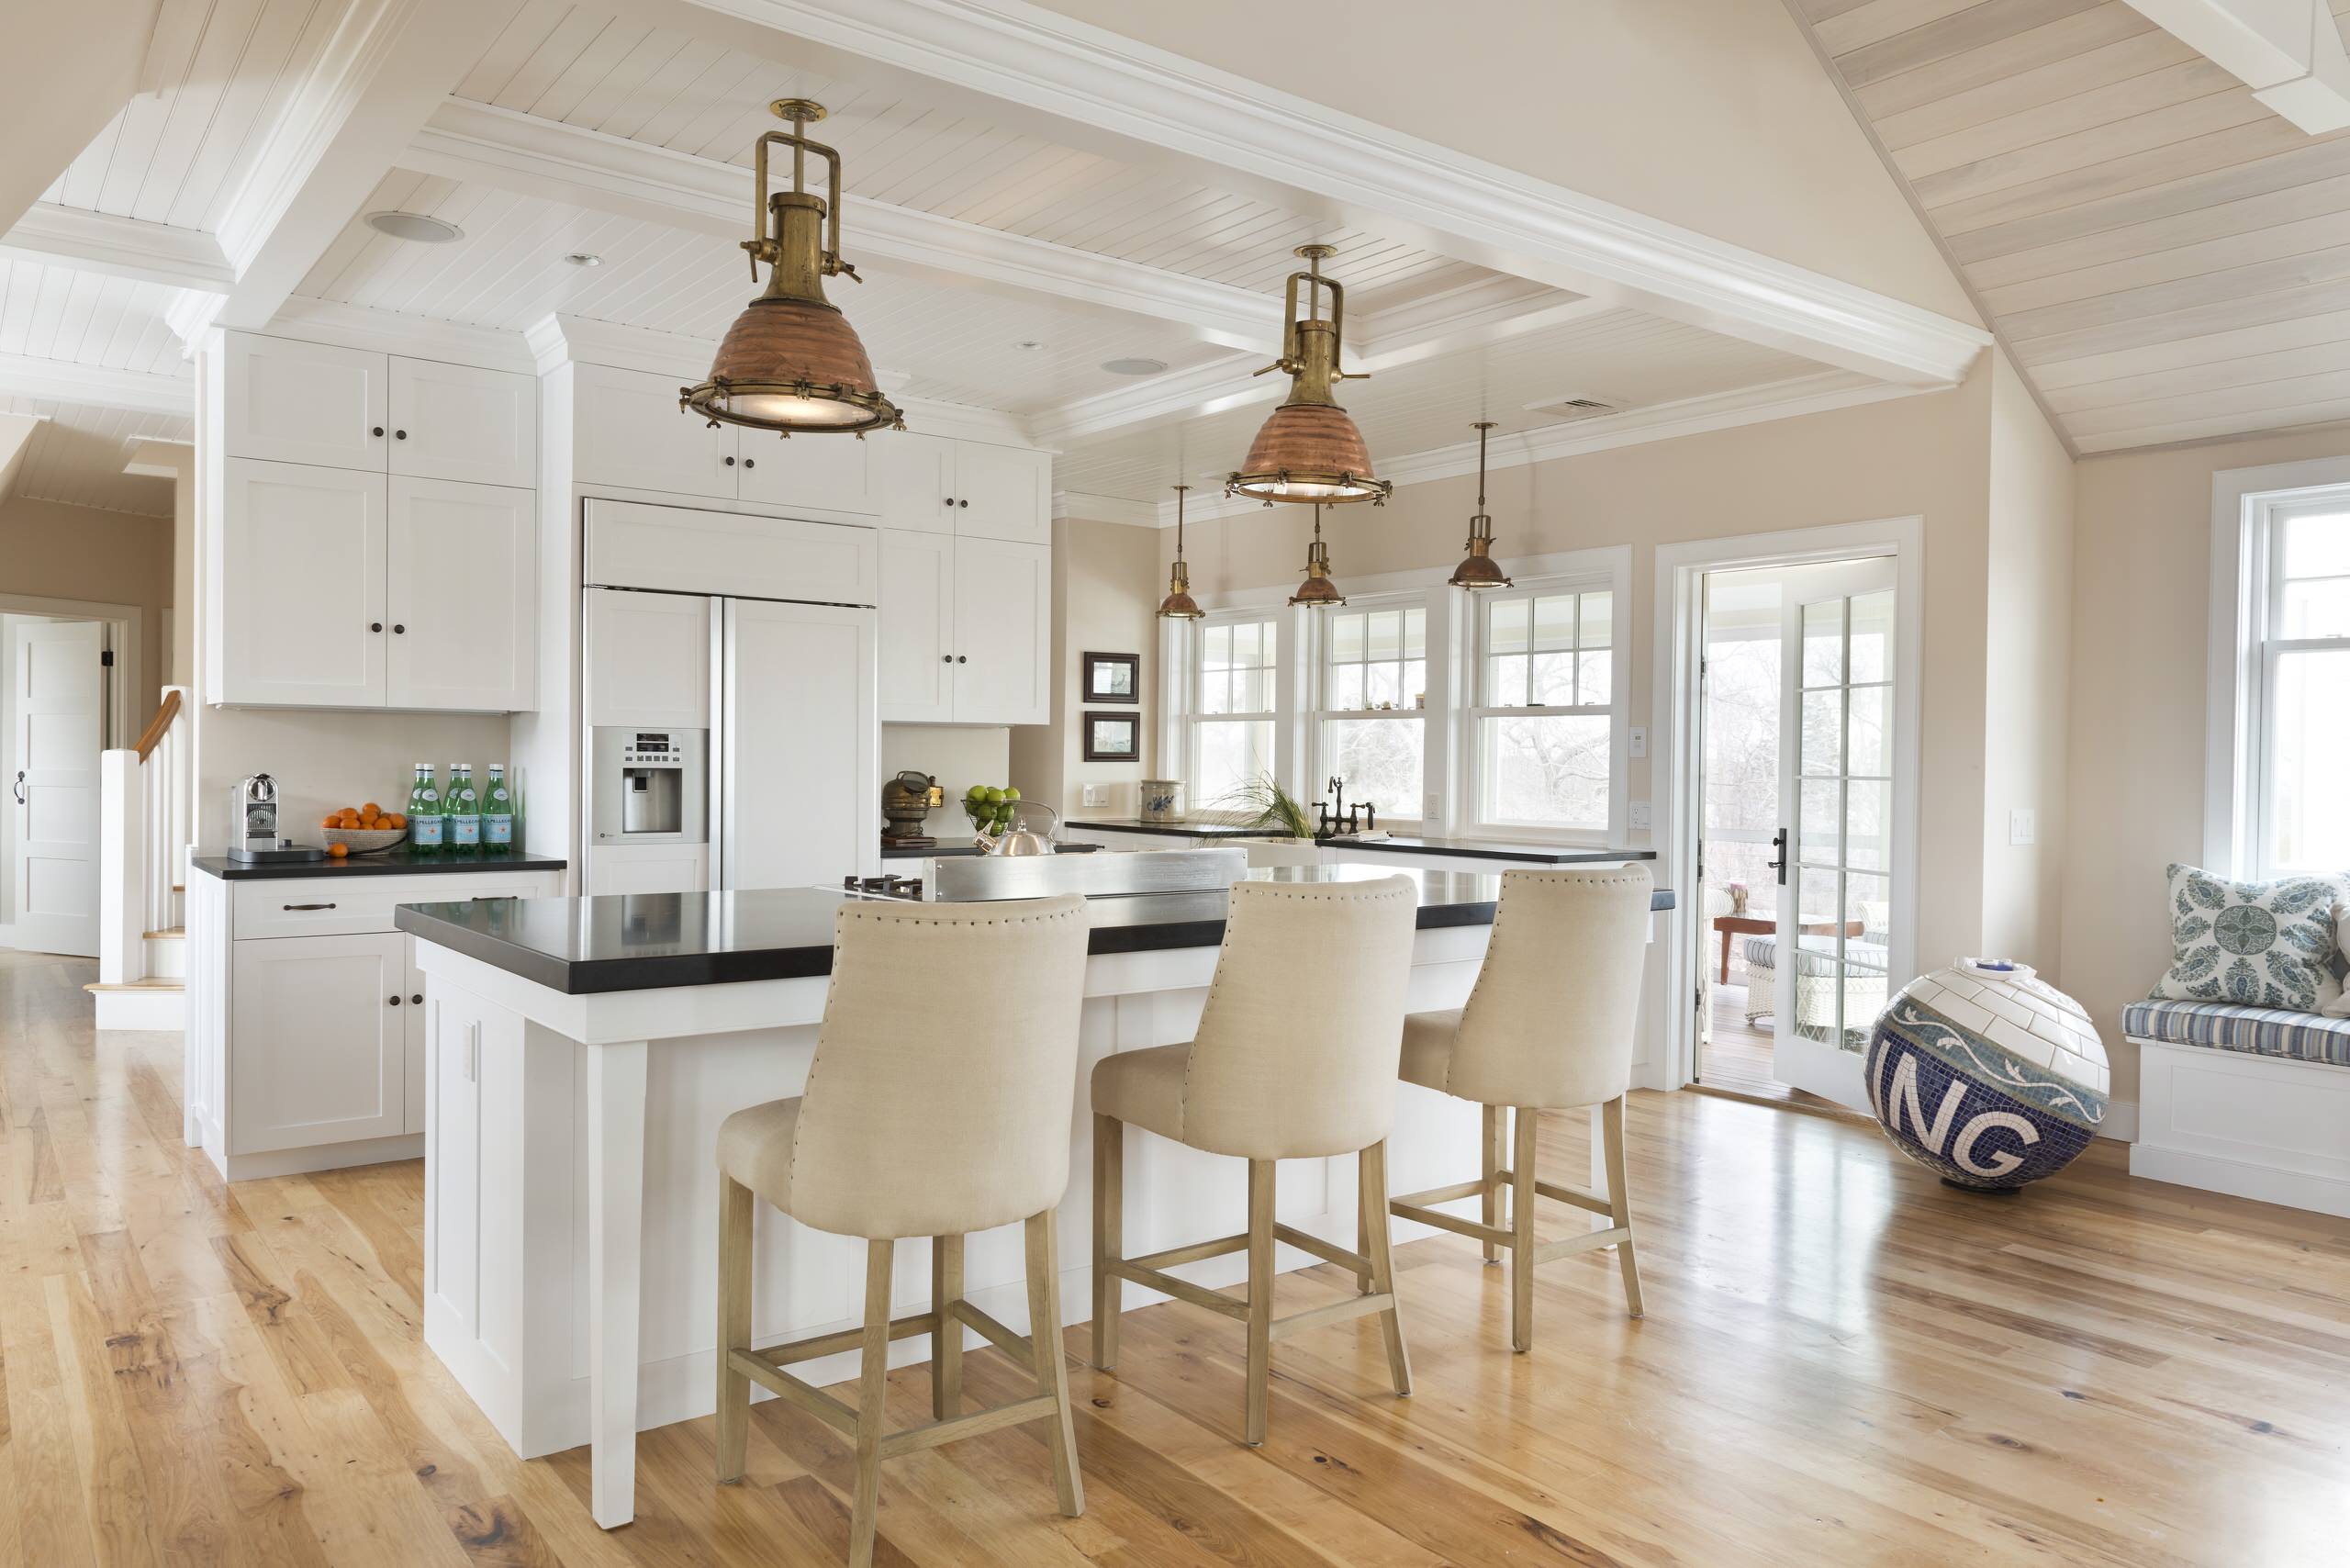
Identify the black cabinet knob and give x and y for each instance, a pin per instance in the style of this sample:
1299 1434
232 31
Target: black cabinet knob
962 503
750 463
379 433
398 630
374 625
962 658
946 658
730 461
400 435
950 500
418 999
393 1001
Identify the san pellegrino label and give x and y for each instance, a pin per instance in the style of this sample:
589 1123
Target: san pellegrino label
497 812
424 810
465 807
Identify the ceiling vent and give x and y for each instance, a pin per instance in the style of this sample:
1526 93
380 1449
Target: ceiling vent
1568 410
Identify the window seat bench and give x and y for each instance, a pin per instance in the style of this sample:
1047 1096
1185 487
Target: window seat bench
2249 1100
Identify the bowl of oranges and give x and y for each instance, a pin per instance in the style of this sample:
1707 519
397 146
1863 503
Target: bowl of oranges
363 830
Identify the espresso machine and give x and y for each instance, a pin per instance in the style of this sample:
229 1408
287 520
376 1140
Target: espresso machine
252 825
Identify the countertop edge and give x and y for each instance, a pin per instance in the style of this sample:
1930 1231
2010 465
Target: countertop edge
228 870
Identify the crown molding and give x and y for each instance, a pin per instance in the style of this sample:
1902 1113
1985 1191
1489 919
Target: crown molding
504 147
393 332
1082 506
97 387
120 247
1405 186
1635 427
559 339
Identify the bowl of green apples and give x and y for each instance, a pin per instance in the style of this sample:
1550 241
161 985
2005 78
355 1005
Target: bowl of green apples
991 808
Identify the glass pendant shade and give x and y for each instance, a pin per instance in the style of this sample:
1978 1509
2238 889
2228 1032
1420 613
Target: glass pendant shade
791 361
1478 569
1319 591
1309 450
1179 604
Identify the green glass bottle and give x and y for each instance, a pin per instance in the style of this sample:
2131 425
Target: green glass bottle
424 819
463 829
497 813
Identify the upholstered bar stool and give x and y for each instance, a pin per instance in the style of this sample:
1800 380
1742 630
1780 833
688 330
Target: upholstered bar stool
1547 1028
938 1104
1294 1060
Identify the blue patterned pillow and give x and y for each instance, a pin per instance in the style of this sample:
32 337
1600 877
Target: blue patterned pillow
2254 944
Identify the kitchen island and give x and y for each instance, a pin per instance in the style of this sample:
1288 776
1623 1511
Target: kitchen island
582 1052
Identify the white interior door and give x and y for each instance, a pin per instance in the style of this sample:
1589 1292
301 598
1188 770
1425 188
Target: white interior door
1840 806
60 705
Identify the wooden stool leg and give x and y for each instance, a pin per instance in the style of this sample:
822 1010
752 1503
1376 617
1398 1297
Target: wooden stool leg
735 1219
1620 1200
865 1505
1493 1175
1260 1300
1045 1340
1521 1217
1109 1235
1370 1215
946 1339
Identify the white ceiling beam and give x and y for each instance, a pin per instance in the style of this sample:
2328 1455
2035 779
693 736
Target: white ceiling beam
120 247
483 144
2288 51
389 65
1455 321
16 433
1089 88
22 375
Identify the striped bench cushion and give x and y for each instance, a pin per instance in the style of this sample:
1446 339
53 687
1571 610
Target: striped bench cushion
1818 956
2255 1031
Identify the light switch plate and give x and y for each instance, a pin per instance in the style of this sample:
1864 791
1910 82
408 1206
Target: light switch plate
1639 740
1432 809
2023 826
1097 794
1641 814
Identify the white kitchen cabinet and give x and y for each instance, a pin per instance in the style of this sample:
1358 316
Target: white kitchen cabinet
931 483
917 627
461 597
648 660
457 421
317 1029
1004 633
295 402
417 1041
628 432
1003 492
297 586
818 473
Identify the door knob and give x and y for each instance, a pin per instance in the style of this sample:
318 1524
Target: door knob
1779 842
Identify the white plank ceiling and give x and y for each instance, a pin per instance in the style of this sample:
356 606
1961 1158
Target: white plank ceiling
76 455
2166 258
50 311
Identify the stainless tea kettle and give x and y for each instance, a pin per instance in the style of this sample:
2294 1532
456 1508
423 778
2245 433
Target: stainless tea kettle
1026 834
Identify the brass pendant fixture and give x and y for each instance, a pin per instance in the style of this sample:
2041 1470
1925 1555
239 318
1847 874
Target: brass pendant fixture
1309 450
1478 569
791 363
1179 604
1318 591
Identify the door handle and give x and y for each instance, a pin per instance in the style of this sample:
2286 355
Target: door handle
17 788
1779 842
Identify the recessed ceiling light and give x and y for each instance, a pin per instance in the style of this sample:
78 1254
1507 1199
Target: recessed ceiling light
1134 366
414 226
584 259
1030 345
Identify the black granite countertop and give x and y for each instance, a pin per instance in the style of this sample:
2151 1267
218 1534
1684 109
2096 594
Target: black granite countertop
400 860
653 941
1479 849
1171 830
959 847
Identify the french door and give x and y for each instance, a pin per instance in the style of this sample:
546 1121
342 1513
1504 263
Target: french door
1839 806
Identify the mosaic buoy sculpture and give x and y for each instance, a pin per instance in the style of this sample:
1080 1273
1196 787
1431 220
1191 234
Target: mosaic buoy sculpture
1985 1076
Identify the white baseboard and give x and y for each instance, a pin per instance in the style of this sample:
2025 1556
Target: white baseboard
2211 1173
144 1008
323 1156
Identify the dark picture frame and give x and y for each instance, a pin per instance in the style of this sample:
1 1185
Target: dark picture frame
1100 737
1112 678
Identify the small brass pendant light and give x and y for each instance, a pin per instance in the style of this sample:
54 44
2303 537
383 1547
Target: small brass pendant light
1309 450
1179 604
1318 591
1478 569
791 363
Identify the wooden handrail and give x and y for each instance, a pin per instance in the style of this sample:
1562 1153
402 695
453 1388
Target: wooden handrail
153 735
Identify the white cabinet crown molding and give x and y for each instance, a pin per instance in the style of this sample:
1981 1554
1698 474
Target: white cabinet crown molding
410 337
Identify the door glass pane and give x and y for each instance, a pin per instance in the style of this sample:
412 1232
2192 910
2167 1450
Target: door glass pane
1872 636
1823 642
1871 757
1868 823
1868 899
1820 841
2309 829
1823 733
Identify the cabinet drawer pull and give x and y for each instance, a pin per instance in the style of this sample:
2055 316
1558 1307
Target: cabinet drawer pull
308 906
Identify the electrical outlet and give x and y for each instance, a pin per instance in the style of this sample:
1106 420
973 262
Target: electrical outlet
1432 808
1097 794
1641 814
2023 826
1639 740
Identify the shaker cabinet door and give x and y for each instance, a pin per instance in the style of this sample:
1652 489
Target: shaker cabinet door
297 588
295 402
1004 634
1003 492
917 627
914 480
455 421
811 472
463 633
318 1040
628 432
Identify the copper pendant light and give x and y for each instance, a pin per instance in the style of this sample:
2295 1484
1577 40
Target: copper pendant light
1179 604
1310 450
1478 569
1318 591
791 361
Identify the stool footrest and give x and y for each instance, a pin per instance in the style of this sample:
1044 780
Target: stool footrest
1471 1189
792 1390
1175 1256
1567 1247
1328 1251
996 1333
1158 1279
1576 1197
1404 1208
930 1434
829 1344
1331 1312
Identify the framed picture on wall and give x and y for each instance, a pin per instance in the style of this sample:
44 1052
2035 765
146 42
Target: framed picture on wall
1114 677
1112 737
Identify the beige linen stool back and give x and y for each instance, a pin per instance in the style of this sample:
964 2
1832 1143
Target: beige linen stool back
937 1104
1548 1026
1293 1058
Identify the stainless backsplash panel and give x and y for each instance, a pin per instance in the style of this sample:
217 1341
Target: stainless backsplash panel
975 878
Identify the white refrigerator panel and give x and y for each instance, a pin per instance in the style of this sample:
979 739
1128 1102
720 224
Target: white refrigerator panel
687 550
800 796
648 659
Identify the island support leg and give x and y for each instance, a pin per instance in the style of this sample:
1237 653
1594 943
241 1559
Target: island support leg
615 1248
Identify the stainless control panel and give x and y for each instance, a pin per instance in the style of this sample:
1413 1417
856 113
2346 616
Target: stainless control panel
649 786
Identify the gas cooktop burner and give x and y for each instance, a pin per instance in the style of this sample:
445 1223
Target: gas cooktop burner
884 887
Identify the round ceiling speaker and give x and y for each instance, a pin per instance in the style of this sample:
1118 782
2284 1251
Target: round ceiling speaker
415 226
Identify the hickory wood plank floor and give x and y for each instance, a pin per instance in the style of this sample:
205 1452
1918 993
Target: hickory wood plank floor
1843 1362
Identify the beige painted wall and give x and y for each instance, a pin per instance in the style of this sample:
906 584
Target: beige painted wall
1103 601
957 756
2141 614
2026 650
67 551
1713 115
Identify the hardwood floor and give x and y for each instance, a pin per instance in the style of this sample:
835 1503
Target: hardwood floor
1842 1363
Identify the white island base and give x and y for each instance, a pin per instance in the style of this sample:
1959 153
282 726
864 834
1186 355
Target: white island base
571 1187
